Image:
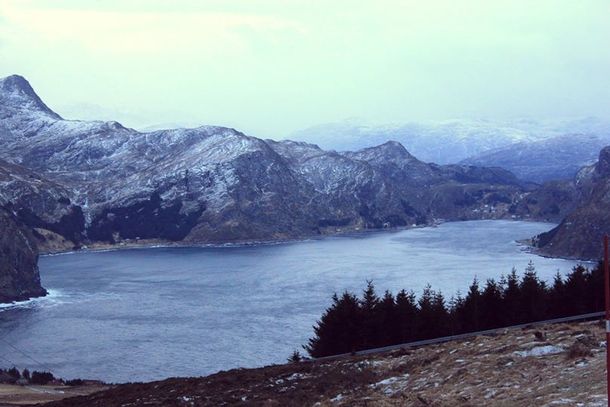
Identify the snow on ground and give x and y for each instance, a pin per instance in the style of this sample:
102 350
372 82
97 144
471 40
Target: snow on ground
540 351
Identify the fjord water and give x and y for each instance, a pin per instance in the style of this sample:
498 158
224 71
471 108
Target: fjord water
144 314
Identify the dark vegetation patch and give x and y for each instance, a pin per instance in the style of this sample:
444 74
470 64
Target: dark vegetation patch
147 219
353 323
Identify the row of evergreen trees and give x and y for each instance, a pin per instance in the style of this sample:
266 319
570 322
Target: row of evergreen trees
13 375
353 323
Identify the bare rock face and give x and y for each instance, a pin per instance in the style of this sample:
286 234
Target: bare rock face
19 278
39 202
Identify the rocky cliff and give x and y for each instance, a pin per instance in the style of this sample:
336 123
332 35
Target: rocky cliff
580 233
19 279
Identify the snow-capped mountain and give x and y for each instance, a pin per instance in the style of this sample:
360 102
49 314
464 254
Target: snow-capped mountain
216 184
446 142
552 159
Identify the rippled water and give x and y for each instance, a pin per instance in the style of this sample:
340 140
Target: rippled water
145 314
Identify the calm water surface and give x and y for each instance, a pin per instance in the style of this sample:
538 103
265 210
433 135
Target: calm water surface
146 314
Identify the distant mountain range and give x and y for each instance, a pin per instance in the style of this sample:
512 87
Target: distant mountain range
535 151
556 158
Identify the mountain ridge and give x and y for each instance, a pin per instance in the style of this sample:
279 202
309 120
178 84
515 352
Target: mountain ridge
216 184
95 182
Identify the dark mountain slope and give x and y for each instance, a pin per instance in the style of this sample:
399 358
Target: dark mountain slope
580 234
19 278
215 184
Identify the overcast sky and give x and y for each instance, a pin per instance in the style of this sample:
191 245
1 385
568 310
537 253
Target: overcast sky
272 66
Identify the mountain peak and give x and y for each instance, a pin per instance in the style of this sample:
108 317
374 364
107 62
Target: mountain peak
390 149
14 83
603 164
16 92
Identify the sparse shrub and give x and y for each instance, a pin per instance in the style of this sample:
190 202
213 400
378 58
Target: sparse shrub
296 357
579 350
540 336
74 382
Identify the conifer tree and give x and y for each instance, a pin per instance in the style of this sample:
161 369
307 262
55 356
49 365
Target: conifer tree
533 295
387 316
512 299
406 313
338 331
470 313
557 306
576 291
491 310
370 325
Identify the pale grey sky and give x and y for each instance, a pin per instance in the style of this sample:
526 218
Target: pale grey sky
272 66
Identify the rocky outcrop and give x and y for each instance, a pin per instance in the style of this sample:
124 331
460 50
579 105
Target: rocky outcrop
19 278
40 203
580 233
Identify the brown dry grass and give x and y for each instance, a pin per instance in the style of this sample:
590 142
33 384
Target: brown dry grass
559 365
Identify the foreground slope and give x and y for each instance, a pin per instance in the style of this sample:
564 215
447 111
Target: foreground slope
550 366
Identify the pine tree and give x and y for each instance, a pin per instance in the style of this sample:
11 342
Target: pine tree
533 296
557 298
471 310
430 318
440 315
456 306
576 291
595 288
370 326
512 298
406 313
491 310
387 317
338 331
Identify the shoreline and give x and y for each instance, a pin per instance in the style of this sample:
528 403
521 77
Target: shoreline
98 247
526 245
154 243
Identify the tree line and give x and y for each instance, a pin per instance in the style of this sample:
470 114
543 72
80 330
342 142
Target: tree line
354 323
13 375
